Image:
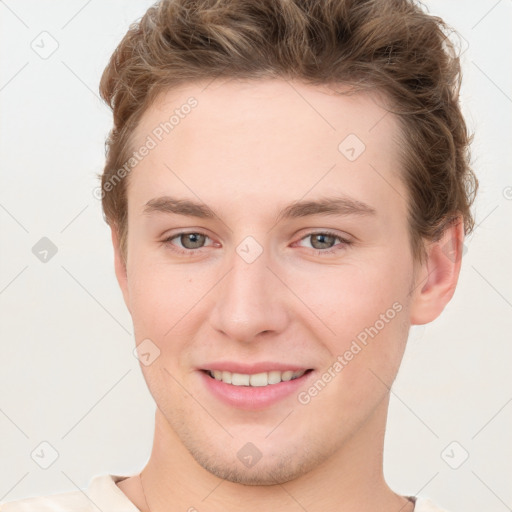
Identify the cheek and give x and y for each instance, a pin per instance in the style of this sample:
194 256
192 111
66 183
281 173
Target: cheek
350 298
365 358
365 317
159 298
157 302
162 312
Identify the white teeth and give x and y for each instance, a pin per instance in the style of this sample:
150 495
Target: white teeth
259 379
256 379
287 375
274 377
239 379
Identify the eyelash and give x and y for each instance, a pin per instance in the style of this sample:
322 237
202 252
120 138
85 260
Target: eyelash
320 252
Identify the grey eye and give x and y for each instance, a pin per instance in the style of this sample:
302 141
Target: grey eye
323 244
192 240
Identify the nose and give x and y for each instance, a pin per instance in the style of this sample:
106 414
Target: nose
251 301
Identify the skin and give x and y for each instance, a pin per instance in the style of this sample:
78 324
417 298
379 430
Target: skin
247 150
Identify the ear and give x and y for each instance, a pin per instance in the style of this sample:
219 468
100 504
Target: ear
437 277
120 266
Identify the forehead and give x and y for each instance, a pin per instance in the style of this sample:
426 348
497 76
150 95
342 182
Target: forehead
283 139
268 106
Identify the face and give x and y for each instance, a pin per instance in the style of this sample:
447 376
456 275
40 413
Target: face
292 258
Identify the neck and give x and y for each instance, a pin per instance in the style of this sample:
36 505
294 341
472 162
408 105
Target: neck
350 480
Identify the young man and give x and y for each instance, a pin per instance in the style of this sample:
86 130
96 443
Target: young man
288 188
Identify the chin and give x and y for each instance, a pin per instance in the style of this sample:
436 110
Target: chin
260 474
285 464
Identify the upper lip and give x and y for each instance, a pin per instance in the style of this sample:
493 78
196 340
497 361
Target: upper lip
251 369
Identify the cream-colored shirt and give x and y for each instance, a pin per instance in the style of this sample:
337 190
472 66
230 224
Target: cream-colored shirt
103 494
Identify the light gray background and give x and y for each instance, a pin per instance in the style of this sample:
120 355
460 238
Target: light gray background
67 372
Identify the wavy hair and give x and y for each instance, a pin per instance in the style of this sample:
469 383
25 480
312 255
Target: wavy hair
391 46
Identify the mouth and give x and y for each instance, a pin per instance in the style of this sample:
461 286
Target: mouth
262 379
254 386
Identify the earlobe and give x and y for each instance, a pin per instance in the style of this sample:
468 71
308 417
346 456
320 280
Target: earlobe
437 278
120 267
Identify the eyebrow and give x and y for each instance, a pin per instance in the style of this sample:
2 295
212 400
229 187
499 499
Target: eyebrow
338 206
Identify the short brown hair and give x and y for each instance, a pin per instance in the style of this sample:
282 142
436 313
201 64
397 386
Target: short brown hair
391 46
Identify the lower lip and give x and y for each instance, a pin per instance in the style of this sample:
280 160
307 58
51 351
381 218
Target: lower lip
253 397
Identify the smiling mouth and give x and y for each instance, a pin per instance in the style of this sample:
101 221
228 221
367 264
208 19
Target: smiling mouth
256 379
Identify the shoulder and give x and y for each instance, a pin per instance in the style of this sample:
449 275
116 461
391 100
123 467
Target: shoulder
73 501
422 505
102 493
